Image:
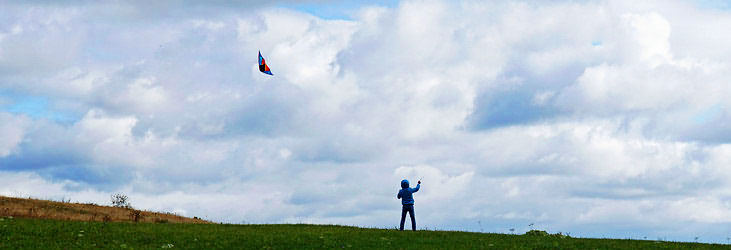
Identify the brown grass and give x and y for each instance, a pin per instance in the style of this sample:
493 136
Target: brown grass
34 208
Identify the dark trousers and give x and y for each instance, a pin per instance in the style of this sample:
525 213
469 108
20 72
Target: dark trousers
408 208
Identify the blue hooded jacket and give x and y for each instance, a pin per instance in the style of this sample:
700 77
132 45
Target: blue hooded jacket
405 194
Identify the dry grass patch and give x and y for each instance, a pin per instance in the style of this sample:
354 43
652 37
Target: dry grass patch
34 208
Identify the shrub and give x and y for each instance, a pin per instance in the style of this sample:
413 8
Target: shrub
536 233
135 215
542 233
120 200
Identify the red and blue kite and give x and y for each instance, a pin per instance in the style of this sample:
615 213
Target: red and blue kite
263 65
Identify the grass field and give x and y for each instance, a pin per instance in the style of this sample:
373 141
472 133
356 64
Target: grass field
41 224
63 234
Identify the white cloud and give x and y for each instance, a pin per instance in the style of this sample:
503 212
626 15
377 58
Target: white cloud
441 187
12 132
651 32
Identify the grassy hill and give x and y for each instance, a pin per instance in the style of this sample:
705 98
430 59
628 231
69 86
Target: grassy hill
61 225
43 209
62 234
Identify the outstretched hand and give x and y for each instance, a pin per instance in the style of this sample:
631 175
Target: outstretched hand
418 182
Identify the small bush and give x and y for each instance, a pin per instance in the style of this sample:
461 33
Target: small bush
562 235
536 233
120 200
135 215
542 233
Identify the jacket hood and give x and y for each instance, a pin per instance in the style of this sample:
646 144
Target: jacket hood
405 184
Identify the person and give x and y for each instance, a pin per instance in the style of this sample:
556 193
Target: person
407 202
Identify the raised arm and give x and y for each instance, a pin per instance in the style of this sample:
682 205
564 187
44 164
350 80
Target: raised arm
413 190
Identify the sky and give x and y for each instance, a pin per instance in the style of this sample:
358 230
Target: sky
593 118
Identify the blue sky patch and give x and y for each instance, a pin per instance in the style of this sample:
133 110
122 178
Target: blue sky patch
708 115
36 107
343 10
715 4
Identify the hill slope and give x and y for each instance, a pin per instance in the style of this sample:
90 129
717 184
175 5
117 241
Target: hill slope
34 208
40 224
61 234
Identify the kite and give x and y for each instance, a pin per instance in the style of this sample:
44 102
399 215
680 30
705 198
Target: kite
263 65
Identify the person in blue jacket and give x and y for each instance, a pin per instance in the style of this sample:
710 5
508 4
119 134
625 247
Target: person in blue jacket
407 202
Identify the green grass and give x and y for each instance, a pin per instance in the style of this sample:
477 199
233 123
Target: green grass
54 234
